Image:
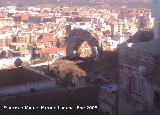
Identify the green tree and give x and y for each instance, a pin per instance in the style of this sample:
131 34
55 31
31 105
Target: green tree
3 54
18 62
45 57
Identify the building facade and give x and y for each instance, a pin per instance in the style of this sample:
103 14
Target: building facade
137 75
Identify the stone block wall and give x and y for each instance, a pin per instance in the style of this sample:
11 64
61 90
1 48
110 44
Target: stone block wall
107 102
130 63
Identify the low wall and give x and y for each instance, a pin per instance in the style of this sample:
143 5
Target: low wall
27 87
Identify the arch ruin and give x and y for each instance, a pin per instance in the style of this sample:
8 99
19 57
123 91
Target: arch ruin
76 38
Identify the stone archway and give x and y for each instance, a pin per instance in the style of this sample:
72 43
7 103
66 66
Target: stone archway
76 39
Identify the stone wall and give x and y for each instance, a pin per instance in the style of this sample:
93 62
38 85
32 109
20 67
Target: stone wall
79 82
41 85
131 62
108 102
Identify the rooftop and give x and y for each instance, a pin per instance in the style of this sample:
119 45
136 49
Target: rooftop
152 46
110 88
18 76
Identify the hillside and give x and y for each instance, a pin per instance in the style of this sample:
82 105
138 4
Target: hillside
129 3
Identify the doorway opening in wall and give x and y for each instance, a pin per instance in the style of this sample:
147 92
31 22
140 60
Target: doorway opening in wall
157 100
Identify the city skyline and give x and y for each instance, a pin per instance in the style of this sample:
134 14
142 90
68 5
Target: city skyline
83 57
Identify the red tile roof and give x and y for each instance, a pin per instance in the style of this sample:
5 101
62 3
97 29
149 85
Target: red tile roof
50 50
62 49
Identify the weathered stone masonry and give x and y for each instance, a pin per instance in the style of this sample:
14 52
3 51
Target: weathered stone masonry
140 64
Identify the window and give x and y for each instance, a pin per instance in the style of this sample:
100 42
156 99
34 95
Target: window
157 100
136 85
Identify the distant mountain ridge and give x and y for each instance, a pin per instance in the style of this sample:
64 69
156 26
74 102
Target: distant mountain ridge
131 3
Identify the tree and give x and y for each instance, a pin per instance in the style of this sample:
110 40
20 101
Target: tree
3 54
45 57
142 36
18 62
66 70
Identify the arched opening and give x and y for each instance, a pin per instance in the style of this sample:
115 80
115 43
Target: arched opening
85 50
